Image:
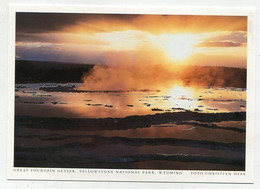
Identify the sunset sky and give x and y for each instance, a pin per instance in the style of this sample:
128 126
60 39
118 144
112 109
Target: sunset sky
121 39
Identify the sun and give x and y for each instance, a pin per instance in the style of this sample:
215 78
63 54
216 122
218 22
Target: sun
178 47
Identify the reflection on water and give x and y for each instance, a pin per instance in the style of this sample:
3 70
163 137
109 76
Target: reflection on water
32 101
181 141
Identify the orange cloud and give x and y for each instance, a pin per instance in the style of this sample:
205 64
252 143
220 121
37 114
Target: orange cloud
134 38
158 24
218 44
240 37
236 59
96 23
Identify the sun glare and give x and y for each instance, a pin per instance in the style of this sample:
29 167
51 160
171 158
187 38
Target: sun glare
183 97
178 46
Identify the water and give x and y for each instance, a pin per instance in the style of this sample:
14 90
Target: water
181 128
35 102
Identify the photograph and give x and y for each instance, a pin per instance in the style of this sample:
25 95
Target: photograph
130 91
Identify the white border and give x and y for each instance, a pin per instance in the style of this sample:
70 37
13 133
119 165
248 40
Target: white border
186 176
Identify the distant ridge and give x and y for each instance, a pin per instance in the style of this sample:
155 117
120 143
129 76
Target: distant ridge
31 71
54 64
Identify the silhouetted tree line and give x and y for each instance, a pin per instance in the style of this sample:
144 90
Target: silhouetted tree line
39 71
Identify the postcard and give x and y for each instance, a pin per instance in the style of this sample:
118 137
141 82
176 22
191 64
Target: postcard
131 94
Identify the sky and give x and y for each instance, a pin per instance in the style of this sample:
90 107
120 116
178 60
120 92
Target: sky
118 39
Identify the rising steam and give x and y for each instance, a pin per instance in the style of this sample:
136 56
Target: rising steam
143 73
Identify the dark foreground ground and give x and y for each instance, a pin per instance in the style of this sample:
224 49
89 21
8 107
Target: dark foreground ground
180 140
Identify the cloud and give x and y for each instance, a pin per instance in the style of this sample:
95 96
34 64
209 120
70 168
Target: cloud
50 52
90 38
238 37
59 38
156 24
236 59
218 44
51 22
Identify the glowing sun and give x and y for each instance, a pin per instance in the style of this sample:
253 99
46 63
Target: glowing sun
178 46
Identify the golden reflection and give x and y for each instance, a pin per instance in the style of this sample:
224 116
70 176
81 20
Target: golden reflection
183 97
122 104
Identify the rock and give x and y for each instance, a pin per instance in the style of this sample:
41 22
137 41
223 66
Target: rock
157 109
